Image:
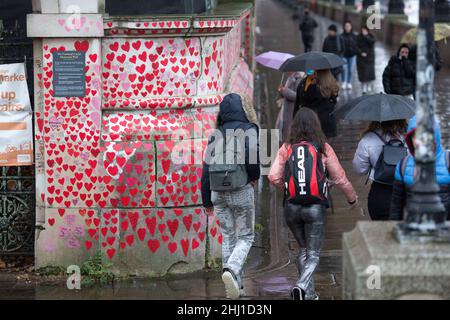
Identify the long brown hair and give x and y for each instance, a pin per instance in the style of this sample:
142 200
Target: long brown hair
393 128
327 83
306 127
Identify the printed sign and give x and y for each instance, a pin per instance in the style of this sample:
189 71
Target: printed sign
69 74
13 88
16 133
16 130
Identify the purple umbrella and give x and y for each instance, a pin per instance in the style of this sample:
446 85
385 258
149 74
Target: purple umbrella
273 59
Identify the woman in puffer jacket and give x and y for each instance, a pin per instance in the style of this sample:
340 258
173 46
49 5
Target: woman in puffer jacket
404 174
307 223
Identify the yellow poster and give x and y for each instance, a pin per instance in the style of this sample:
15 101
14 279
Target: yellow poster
16 131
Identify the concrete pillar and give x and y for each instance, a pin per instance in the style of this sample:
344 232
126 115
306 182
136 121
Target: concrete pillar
377 267
146 86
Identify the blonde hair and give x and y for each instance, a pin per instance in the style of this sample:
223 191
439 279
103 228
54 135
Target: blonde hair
327 83
249 109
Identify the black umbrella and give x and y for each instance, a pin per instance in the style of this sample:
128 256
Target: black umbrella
378 107
313 60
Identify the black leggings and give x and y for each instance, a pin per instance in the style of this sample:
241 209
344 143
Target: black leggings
379 201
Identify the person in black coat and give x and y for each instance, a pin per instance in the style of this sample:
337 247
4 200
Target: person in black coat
319 92
349 54
235 208
234 113
399 76
365 61
307 26
334 44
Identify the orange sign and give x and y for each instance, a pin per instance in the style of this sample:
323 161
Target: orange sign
16 131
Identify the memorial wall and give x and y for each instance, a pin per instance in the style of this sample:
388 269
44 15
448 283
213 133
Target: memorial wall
123 109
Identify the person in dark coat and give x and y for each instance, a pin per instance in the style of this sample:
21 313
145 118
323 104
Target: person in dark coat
307 26
234 112
365 61
319 92
234 208
405 174
399 76
349 54
334 44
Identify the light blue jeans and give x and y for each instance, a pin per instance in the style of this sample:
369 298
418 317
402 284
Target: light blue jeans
347 69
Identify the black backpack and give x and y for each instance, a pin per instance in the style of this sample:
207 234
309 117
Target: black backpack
305 177
393 151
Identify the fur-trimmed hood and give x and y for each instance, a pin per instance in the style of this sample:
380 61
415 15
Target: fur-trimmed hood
235 107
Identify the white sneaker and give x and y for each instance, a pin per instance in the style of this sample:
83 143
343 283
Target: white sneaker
344 85
231 285
349 86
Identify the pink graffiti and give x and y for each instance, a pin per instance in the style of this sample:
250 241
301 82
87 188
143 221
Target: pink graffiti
71 232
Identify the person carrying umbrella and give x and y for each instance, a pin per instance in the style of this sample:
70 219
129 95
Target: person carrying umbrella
319 91
365 160
382 144
274 60
288 92
441 32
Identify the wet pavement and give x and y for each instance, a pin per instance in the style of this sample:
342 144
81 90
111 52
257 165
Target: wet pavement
270 271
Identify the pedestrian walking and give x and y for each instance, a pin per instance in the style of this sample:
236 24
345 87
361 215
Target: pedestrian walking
319 91
365 61
405 174
288 94
372 159
399 76
228 188
350 52
333 43
307 26
301 167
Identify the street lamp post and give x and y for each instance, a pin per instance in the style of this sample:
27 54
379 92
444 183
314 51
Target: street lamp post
425 213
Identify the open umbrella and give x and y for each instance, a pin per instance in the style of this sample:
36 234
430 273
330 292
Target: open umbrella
441 31
313 60
378 107
273 59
